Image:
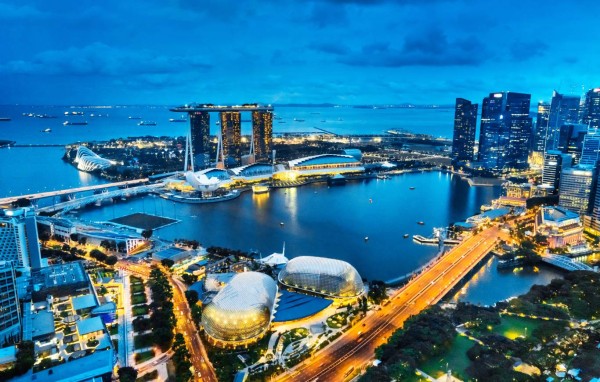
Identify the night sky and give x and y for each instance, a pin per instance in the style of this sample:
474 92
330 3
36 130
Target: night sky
338 51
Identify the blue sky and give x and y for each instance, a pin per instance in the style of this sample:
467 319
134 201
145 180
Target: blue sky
339 51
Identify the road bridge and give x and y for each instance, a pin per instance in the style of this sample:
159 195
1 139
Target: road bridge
565 263
69 191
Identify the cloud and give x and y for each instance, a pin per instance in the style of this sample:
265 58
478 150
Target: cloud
101 59
522 51
428 48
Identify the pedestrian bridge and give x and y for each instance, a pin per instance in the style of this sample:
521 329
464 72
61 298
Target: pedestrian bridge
565 263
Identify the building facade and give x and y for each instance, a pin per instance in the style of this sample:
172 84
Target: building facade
465 125
541 127
591 108
564 109
10 317
262 134
19 238
231 137
576 188
200 133
505 131
590 152
554 161
560 226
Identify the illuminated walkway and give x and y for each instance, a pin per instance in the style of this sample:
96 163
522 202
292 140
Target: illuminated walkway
565 263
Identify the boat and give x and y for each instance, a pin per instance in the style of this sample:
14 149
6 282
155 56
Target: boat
46 130
366 238
4 119
69 123
260 189
411 188
298 120
131 117
421 223
147 123
177 120
382 176
46 116
406 236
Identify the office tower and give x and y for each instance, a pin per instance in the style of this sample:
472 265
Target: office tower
541 127
200 134
575 188
262 134
554 162
505 131
571 139
564 109
465 124
10 323
591 108
19 238
231 136
591 148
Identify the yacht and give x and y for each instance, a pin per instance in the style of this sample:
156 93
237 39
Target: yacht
46 130
147 123
69 123
260 189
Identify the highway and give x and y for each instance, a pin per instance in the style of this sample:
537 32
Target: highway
68 191
354 349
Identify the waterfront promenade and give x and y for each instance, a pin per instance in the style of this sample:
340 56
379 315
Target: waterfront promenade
355 349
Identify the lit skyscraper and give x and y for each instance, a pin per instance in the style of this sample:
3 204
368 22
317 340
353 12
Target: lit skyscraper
564 109
505 131
262 134
10 324
465 124
575 189
591 108
231 136
591 148
200 133
541 127
554 162
19 238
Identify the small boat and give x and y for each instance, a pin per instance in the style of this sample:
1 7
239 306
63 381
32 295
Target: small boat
131 117
177 120
70 123
260 189
421 223
282 224
46 130
406 236
4 119
382 176
411 188
366 238
298 120
147 123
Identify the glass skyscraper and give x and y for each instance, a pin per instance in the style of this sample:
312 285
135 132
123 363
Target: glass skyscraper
576 187
541 127
19 238
200 132
554 162
591 108
262 134
505 131
10 323
465 125
564 109
231 137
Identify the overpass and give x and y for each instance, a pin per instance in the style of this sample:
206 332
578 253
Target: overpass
70 191
120 192
356 347
565 263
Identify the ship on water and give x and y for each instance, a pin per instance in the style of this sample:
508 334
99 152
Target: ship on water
4 119
260 189
75 123
147 123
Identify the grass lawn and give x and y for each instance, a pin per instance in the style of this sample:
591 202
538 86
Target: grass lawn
142 341
455 357
294 335
139 310
144 356
337 320
139 299
513 327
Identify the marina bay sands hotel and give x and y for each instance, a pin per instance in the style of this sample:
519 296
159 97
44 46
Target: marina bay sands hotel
229 148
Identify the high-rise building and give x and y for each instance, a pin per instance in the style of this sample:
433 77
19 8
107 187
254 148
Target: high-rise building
465 124
200 133
554 162
262 134
505 131
541 127
19 238
10 321
564 109
576 188
590 152
231 137
591 108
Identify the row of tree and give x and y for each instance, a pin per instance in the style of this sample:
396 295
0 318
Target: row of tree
162 317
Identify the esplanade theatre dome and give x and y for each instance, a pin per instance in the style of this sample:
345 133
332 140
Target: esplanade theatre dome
241 311
329 277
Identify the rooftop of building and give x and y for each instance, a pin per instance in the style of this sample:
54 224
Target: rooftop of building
8 354
171 252
90 325
60 274
558 214
218 108
81 369
84 302
42 324
323 159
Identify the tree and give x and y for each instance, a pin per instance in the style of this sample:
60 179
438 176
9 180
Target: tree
127 374
168 263
189 279
191 296
147 234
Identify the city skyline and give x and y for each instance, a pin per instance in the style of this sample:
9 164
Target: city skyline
345 52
